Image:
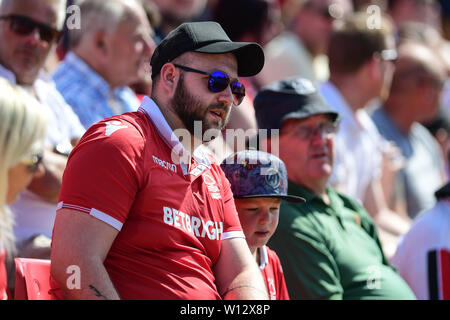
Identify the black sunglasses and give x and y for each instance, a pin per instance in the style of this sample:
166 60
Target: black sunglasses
219 81
33 162
23 25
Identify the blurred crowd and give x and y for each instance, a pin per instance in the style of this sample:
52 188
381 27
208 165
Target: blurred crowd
383 66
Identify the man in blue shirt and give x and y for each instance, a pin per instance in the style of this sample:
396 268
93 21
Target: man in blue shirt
110 51
414 97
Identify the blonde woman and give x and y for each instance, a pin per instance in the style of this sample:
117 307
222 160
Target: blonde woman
22 130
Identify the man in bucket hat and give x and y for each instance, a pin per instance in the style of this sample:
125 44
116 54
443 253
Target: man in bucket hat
328 246
155 212
259 183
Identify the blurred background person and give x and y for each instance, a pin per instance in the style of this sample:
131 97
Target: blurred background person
143 87
361 68
22 130
175 12
328 246
425 11
423 256
247 21
362 5
414 97
439 125
29 30
110 51
301 49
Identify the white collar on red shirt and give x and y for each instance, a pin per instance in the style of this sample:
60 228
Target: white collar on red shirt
200 155
263 257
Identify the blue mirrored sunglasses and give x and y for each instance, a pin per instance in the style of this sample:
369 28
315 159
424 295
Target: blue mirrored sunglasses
219 81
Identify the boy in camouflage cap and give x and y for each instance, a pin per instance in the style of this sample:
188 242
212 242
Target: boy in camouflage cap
259 183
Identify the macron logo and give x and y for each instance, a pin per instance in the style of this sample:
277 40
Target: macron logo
113 126
165 164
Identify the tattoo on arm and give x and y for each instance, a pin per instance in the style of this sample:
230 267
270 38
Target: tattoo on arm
244 286
97 293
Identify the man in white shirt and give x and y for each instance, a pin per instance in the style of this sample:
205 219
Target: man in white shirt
28 32
414 98
301 49
423 255
358 74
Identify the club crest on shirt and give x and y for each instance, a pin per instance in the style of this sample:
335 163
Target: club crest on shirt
212 187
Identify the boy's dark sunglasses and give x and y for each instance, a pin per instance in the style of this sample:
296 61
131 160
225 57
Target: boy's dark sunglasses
24 26
219 81
33 162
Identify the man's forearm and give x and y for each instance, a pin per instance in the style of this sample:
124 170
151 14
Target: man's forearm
249 286
94 283
237 274
80 245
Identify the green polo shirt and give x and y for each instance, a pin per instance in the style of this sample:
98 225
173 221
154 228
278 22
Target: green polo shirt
333 251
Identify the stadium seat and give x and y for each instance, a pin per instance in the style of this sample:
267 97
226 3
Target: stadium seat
33 280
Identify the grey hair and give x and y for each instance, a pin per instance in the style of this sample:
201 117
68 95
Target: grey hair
100 15
61 11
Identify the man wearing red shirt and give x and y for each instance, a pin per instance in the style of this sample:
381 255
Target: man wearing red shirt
145 212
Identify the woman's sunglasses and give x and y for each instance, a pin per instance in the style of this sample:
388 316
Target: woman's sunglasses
219 81
22 25
33 162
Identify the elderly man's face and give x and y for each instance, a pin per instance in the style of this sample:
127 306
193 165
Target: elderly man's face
22 52
130 49
178 11
317 21
307 148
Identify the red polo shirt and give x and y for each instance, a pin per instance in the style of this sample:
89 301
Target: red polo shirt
171 216
272 272
3 277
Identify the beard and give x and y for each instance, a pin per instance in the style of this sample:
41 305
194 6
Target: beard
193 114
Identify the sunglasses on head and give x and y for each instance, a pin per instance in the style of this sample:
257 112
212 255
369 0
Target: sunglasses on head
22 25
33 162
219 81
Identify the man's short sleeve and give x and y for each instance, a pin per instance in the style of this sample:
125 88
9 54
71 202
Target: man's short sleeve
102 174
232 224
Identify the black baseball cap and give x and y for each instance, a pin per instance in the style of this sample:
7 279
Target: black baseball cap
291 98
254 173
207 37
